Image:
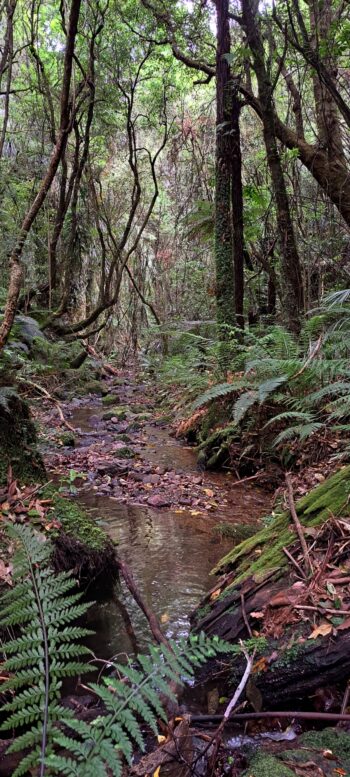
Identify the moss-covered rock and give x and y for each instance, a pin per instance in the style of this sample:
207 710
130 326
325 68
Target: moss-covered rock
115 412
67 439
124 453
265 765
18 440
81 545
110 399
82 388
328 750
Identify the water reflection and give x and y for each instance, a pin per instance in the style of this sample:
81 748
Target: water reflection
170 555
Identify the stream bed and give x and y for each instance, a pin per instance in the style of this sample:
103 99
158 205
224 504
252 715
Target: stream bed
170 551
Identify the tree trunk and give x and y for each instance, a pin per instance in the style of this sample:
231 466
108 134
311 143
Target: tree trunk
16 267
327 117
292 284
237 212
225 293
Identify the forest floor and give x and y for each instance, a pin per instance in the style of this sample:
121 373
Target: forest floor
121 447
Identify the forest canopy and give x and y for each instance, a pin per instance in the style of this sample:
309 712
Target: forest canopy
162 164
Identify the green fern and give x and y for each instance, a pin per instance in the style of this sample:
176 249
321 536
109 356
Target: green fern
218 391
43 606
128 700
303 432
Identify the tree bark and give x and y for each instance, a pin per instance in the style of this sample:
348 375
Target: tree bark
225 293
237 211
292 284
16 267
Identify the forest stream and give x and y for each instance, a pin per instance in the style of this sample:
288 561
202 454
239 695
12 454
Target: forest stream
170 549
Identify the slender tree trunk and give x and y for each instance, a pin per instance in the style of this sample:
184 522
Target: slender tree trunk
327 116
225 294
16 267
237 211
292 284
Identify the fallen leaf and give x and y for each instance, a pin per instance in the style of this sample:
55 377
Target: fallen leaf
164 618
157 772
208 491
260 665
321 631
161 739
344 625
215 594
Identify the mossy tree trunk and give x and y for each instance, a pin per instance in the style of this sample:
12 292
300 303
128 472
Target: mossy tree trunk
292 283
225 292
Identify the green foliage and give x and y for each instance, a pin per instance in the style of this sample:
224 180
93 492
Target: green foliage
47 648
43 606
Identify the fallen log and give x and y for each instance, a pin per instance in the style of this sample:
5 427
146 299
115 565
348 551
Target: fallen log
302 620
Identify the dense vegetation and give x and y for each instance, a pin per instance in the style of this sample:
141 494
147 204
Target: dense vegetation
132 207
175 195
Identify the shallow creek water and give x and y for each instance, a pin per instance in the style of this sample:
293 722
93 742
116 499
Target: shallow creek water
170 553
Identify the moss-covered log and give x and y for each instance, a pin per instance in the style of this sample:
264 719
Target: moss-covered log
82 546
258 569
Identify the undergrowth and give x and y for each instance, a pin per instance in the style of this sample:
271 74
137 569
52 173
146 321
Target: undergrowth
44 646
279 388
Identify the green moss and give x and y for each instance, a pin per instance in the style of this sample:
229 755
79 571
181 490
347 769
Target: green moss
329 498
67 439
18 440
124 453
236 531
89 387
78 524
109 399
329 739
115 412
265 765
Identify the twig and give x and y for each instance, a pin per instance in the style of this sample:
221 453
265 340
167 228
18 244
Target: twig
107 367
48 396
298 526
245 480
297 566
230 707
325 716
152 620
321 609
244 614
345 700
313 353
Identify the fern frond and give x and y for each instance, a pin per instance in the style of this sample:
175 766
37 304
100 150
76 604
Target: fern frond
243 404
218 391
289 415
39 661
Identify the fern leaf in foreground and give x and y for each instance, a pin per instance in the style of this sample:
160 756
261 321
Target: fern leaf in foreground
42 654
130 701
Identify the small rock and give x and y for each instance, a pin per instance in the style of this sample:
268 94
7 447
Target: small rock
157 500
